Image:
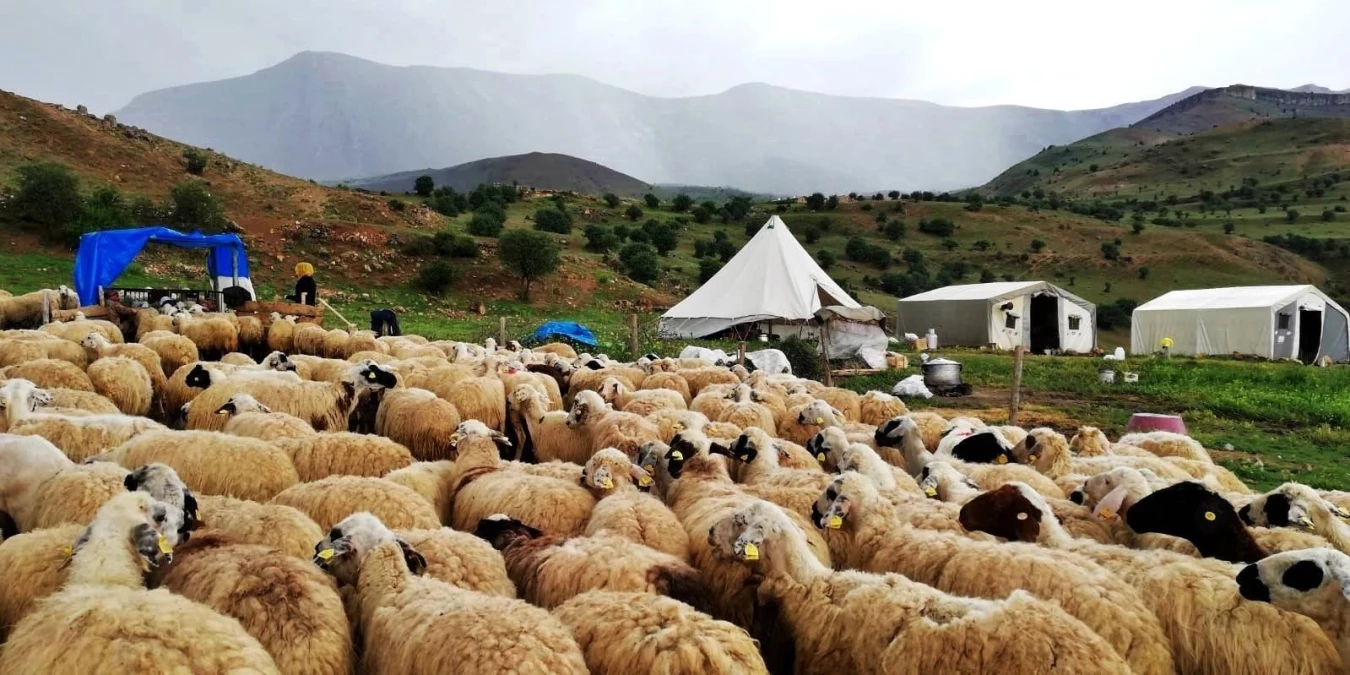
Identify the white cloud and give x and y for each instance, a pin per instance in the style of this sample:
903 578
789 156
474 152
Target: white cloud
1045 53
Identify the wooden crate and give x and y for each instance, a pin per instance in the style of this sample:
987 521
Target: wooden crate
263 309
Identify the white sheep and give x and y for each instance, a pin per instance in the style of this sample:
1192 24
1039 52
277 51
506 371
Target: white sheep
248 417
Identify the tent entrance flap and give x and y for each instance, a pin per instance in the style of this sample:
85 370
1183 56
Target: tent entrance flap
1309 335
1044 323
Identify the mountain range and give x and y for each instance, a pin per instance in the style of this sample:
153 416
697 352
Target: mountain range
548 171
329 116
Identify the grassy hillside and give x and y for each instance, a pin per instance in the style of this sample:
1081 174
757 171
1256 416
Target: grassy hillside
538 170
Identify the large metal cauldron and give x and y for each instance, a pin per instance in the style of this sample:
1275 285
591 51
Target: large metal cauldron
942 373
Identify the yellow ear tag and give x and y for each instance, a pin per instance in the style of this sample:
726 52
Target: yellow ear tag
677 426
1107 514
644 481
222 412
164 546
820 421
820 457
370 375
835 522
68 551
930 491
326 554
1021 516
751 552
677 455
1002 459
607 483
1209 515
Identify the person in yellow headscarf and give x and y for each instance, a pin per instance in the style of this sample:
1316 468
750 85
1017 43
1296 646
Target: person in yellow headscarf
306 291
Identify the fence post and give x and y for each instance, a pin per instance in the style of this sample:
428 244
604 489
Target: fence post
825 354
740 353
1016 401
501 332
633 346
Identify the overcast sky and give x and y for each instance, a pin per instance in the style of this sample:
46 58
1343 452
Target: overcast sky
1067 54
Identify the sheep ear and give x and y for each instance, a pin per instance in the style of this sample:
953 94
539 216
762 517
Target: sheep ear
416 563
264 409
719 449
837 415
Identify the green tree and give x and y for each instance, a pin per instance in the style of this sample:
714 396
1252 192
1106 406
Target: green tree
893 194
651 200
1228 228
104 209
194 206
601 239
528 255
825 258
1143 273
196 161
611 200
707 267
1110 250
950 244
640 262
436 276
549 219
48 194
701 215
423 186
662 236
633 212
487 222
832 203
895 230
1138 227
1328 215
987 277
1290 215
812 234
681 203
816 201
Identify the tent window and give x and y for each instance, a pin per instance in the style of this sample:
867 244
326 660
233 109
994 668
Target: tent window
1284 321
1075 322
1009 320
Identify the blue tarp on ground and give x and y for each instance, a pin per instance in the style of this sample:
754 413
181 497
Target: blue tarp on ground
565 329
104 255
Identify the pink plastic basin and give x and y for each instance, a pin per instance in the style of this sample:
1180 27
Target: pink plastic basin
1151 422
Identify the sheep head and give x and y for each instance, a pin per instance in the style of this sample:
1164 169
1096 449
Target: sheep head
371 375
199 377
821 414
611 389
1010 512
94 341
585 407
502 531
607 470
1195 513
741 535
471 431
1040 447
21 394
278 361
149 528
242 403
1289 505
835 503
1312 582
1089 442
1113 492
892 433
827 446
937 478
746 447
162 482
341 552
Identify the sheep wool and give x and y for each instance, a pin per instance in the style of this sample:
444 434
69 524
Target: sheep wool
461 559
275 526
1168 444
423 422
431 480
668 381
124 382
875 408
33 565
623 633
329 500
75 494
213 463
317 456
51 374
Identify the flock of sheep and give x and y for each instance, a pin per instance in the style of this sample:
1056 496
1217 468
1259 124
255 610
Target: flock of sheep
202 493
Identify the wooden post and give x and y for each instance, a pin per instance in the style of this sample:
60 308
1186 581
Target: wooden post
825 354
633 346
740 353
46 308
1016 401
501 333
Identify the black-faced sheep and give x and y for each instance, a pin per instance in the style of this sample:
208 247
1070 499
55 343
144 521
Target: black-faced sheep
415 625
327 406
1313 582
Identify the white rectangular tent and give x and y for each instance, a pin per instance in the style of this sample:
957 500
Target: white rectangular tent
1275 322
1034 314
772 279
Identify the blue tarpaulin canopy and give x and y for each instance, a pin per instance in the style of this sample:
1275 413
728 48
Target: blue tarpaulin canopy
567 329
104 255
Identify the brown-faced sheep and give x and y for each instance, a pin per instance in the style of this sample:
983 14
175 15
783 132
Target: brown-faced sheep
846 621
625 510
51 374
104 616
960 565
548 570
484 485
331 499
288 604
1211 628
248 417
124 382
420 420
461 559
212 463
417 625
341 453
623 633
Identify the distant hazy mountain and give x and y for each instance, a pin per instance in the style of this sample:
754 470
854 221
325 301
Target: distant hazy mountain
546 171
331 116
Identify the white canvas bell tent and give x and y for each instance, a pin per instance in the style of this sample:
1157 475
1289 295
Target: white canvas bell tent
1275 322
771 280
1034 314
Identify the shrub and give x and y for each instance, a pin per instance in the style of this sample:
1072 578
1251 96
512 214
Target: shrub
867 206
1111 250
703 248
455 245
48 194
611 200
633 212
529 256
444 203
196 161
1228 228
194 206
803 355
825 258
1138 226
832 203
487 221
396 205
423 186
552 220
938 227
816 201
681 203
419 246
1116 314
640 263
812 234
707 267
436 276
725 249
1328 216
1143 273
621 231
600 239
1290 215
893 194
950 244
701 215
987 277
895 230
651 200
663 237
639 236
